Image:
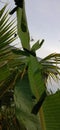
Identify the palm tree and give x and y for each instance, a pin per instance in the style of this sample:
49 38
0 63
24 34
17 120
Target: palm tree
8 71
23 80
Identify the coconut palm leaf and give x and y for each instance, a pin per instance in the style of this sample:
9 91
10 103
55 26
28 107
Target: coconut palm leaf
9 65
2 11
7 31
8 83
51 65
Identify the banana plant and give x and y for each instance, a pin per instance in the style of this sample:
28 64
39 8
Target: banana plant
33 107
34 77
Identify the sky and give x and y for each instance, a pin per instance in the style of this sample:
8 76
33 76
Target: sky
43 18
44 23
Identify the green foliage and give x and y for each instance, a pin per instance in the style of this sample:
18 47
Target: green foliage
37 45
26 76
23 32
24 103
38 72
8 72
2 11
4 72
35 77
51 110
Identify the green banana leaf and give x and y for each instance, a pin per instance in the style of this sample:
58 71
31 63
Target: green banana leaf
51 111
22 27
35 77
37 45
24 103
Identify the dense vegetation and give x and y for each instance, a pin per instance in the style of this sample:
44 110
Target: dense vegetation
25 103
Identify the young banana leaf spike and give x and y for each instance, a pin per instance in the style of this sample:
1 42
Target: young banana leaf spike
18 3
23 25
37 106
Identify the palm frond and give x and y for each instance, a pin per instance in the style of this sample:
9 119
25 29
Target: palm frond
2 11
8 83
51 65
7 29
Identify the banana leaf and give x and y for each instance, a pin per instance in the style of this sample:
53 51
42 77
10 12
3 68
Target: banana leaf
51 111
24 103
22 27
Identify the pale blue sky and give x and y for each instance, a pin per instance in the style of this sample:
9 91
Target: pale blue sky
44 23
